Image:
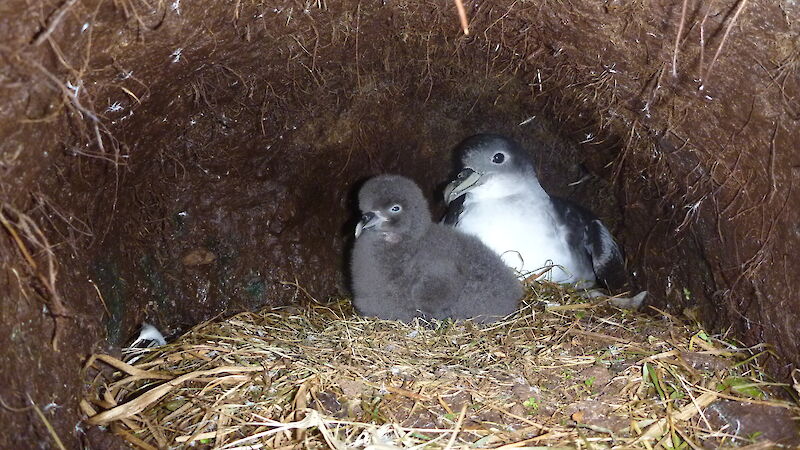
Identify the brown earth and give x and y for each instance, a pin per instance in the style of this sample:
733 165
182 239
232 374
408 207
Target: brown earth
173 161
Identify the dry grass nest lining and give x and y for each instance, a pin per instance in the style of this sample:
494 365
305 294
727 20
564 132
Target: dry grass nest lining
559 372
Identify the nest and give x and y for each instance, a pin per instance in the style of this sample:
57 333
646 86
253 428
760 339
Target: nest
560 372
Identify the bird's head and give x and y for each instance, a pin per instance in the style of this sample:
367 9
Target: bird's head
491 164
394 207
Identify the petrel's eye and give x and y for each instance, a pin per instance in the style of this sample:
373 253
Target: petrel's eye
498 158
396 208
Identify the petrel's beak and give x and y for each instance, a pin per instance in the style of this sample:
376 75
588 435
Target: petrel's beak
368 220
466 180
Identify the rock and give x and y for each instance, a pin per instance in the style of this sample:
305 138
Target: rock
748 420
198 257
327 402
353 389
596 376
702 361
596 414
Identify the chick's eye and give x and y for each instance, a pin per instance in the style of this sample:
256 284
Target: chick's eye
396 208
498 158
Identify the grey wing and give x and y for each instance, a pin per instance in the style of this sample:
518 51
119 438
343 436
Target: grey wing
608 262
607 258
454 210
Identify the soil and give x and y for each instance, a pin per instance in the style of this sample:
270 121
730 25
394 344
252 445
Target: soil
172 162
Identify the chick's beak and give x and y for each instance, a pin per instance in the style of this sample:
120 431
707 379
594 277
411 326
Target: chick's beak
368 220
467 179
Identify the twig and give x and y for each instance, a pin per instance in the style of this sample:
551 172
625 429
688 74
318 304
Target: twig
457 428
52 22
13 409
678 40
48 425
101 297
297 286
658 428
771 171
724 38
358 26
137 405
33 233
703 34
462 16
21 245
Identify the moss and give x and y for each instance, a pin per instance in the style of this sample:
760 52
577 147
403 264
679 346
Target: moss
153 275
114 290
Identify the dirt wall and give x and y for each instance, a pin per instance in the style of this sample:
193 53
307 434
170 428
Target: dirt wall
184 161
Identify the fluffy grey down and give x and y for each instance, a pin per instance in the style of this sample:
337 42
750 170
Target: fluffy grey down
404 265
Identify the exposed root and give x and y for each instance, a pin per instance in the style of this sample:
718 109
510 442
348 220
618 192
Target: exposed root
678 40
52 431
703 33
23 229
731 23
100 133
52 22
462 16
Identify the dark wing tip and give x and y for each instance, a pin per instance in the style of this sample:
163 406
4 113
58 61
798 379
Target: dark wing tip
454 210
608 260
